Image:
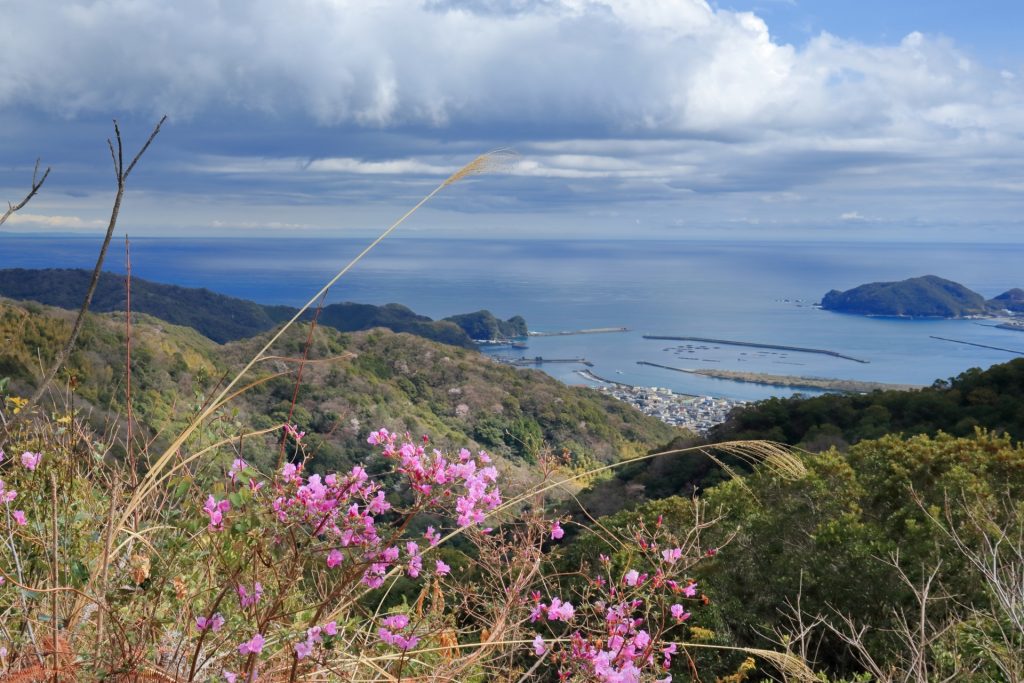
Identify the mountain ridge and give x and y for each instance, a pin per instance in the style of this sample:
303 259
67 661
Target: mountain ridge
224 318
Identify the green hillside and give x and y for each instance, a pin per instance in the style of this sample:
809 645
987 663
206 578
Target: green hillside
356 382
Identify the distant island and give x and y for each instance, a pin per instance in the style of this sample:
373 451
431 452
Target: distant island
224 318
929 296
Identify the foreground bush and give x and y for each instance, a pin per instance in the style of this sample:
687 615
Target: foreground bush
225 573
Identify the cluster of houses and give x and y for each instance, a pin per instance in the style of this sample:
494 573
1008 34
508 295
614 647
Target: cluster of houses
696 413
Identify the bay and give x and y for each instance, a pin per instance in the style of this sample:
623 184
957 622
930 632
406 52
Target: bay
740 290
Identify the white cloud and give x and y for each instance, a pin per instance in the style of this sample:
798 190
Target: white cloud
54 221
610 102
674 65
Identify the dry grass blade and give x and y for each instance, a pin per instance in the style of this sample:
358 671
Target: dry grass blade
779 458
481 164
789 665
492 162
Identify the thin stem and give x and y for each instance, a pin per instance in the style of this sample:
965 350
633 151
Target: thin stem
62 356
37 183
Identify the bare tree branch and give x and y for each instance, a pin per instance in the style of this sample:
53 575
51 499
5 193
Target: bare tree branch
122 177
37 183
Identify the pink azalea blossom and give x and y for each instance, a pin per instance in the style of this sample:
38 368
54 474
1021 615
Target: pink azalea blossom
252 646
679 612
303 649
334 558
216 509
293 431
632 578
31 460
19 517
441 568
672 555
247 599
538 645
331 628
557 531
396 622
690 590
7 496
214 623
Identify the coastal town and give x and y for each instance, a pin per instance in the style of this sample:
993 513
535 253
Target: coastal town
695 413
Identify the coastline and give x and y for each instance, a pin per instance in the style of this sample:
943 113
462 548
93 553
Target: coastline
848 386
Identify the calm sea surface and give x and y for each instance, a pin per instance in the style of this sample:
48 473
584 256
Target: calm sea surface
750 291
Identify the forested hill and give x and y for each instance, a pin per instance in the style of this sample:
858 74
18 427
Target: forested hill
353 383
920 297
224 318
992 398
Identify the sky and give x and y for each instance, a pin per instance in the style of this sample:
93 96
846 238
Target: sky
790 119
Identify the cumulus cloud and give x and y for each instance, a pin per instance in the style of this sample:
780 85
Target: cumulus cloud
626 65
608 101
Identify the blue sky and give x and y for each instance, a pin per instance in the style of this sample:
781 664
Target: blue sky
803 119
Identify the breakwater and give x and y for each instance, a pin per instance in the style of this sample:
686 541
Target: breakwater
597 378
777 347
538 360
981 346
567 333
791 381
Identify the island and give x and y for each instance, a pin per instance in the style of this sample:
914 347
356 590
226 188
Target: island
928 296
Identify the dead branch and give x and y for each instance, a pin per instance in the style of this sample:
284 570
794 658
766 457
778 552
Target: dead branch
121 175
37 183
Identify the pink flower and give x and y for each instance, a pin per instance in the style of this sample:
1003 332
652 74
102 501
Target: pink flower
557 531
252 646
690 590
679 612
334 558
216 509
293 431
560 611
632 578
538 646
396 622
303 649
441 568
247 599
331 628
19 517
236 467
31 460
214 623
667 652
672 555
230 676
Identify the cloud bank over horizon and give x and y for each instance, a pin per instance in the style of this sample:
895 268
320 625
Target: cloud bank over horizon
621 110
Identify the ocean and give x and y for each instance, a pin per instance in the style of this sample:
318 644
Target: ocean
739 290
